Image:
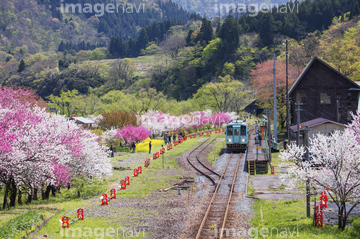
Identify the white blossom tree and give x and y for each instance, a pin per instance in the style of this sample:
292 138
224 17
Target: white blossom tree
334 165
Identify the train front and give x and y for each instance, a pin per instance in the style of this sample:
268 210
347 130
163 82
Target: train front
237 136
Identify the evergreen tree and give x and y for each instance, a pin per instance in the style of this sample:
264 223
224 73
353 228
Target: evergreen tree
206 33
143 39
354 10
230 34
188 38
267 29
21 66
61 47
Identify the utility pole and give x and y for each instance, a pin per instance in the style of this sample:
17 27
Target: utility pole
287 92
306 144
269 133
275 113
298 122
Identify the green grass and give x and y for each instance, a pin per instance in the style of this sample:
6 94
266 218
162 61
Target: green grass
143 63
250 191
215 152
276 162
287 219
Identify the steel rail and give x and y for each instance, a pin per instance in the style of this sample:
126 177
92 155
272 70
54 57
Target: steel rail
212 200
229 200
188 159
197 157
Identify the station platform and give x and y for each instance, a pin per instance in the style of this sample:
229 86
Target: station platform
257 159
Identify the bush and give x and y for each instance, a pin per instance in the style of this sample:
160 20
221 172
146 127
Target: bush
21 223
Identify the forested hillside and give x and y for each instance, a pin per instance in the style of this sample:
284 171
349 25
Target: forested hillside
186 62
212 8
41 26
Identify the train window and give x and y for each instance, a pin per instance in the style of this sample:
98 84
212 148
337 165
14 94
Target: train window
229 130
243 130
236 131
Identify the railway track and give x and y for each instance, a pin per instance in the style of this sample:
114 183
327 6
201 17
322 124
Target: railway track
216 217
194 160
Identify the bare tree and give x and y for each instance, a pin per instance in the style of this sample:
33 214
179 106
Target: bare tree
172 46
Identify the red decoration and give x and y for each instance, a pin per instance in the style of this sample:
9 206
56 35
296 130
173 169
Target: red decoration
323 199
272 170
113 193
136 173
127 180
104 200
80 213
319 216
65 222
123 184
147 163
139 169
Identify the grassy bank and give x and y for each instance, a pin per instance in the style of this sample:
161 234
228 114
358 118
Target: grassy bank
287 219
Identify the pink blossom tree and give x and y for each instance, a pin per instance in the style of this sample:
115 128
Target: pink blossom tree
132 134
39 149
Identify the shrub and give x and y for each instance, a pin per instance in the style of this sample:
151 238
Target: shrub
21 223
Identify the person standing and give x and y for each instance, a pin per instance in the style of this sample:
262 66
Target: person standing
112 150
133 147
165 138
150 147
169 136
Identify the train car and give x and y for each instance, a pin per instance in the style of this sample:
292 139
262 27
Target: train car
237 136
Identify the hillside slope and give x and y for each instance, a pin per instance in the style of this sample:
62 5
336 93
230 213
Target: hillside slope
41 25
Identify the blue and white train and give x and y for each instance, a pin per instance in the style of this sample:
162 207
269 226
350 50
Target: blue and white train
237 136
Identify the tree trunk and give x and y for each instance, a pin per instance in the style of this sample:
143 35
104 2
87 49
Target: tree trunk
53 190
35 197
30 196
43 196
5 197
344 216
20 198
13 193
47 192
340 215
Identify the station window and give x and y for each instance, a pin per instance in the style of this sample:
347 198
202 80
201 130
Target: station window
229 130
301 98
325 98
236 131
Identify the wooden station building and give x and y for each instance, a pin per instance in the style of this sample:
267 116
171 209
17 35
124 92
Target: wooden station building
324 93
